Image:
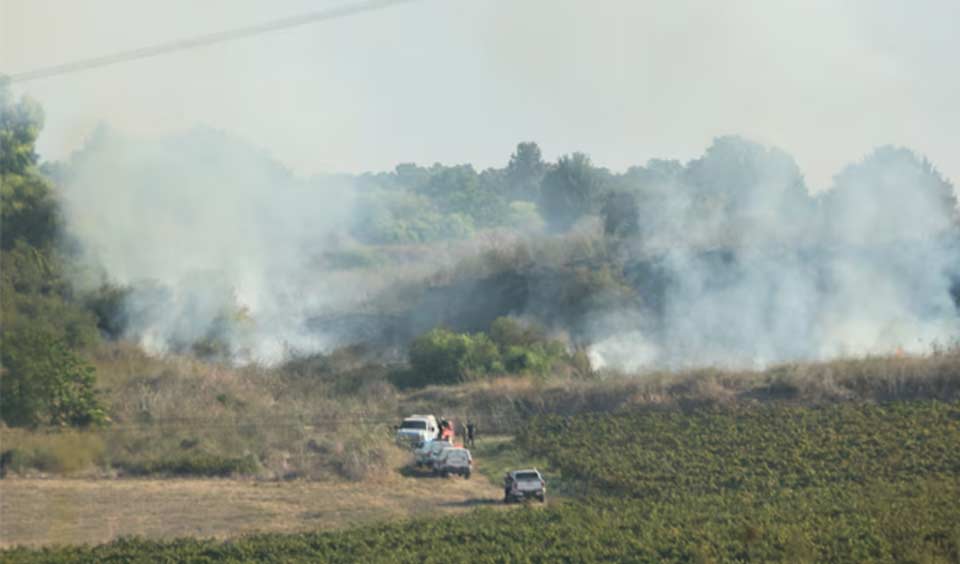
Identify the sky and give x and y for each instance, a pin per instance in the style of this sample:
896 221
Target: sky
458 81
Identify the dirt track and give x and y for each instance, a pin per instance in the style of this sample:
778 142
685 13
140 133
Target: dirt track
64 511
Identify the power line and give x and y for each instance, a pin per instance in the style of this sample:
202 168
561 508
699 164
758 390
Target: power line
204 40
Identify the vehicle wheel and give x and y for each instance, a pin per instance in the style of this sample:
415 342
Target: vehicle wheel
445 474
542 498
466 476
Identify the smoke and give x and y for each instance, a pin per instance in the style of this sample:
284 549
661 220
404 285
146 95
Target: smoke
216 241
758 271
732 261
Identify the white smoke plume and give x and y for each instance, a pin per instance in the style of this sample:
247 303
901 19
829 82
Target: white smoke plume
214 239
759 272
734 262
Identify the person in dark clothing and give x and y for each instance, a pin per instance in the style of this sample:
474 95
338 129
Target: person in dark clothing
6 458
471 432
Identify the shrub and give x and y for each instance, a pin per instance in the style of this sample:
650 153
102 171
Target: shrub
193 464
442 356
44 382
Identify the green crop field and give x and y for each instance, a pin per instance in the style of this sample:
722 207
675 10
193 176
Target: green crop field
843 483
762 451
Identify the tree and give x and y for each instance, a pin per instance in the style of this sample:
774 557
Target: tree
40 378
746 189
570 190
891 195
458 190
524 172
28 211
41 381
20 124
621 215
441 356
27 208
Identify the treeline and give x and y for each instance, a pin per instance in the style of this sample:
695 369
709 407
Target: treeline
737 189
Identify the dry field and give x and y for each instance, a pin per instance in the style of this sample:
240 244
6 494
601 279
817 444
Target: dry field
71 511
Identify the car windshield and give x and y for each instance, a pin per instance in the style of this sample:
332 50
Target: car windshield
527 476
413 424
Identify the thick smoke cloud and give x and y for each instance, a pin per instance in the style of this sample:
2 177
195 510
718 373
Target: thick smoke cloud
215 240
732 261
757 271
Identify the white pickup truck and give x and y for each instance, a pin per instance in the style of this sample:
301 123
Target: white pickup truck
417 428
453 460
521 484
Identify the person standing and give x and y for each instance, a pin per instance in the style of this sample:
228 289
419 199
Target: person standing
471 432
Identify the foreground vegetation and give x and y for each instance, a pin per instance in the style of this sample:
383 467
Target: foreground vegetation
763 451
846 483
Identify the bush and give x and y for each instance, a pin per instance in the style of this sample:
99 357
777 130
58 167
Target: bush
44 382
193 464
444 357
441 356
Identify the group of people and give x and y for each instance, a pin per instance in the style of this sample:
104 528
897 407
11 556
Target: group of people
468 431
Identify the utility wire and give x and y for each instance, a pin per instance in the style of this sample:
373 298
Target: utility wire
204 40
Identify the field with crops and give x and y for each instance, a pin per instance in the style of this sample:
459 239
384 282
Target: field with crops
843 483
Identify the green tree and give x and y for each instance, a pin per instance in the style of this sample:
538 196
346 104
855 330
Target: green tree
525 171
621 215
20 124
42 381
458 190
441 356
28 211
27 208
570 190
893 194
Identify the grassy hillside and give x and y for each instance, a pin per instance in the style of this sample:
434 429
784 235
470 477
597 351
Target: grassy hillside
330 416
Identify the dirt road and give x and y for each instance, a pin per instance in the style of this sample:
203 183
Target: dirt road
63 511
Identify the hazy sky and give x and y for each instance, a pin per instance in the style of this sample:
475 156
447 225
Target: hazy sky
464 80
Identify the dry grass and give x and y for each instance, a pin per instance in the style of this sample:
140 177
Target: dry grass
329 417
502 404
63 511
179 415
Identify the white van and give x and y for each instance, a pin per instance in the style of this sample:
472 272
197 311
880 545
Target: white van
417 428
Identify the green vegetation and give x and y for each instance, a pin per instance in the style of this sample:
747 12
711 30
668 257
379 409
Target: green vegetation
663 454
43 380
570 190
441 356
46 383
899 524
495 456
